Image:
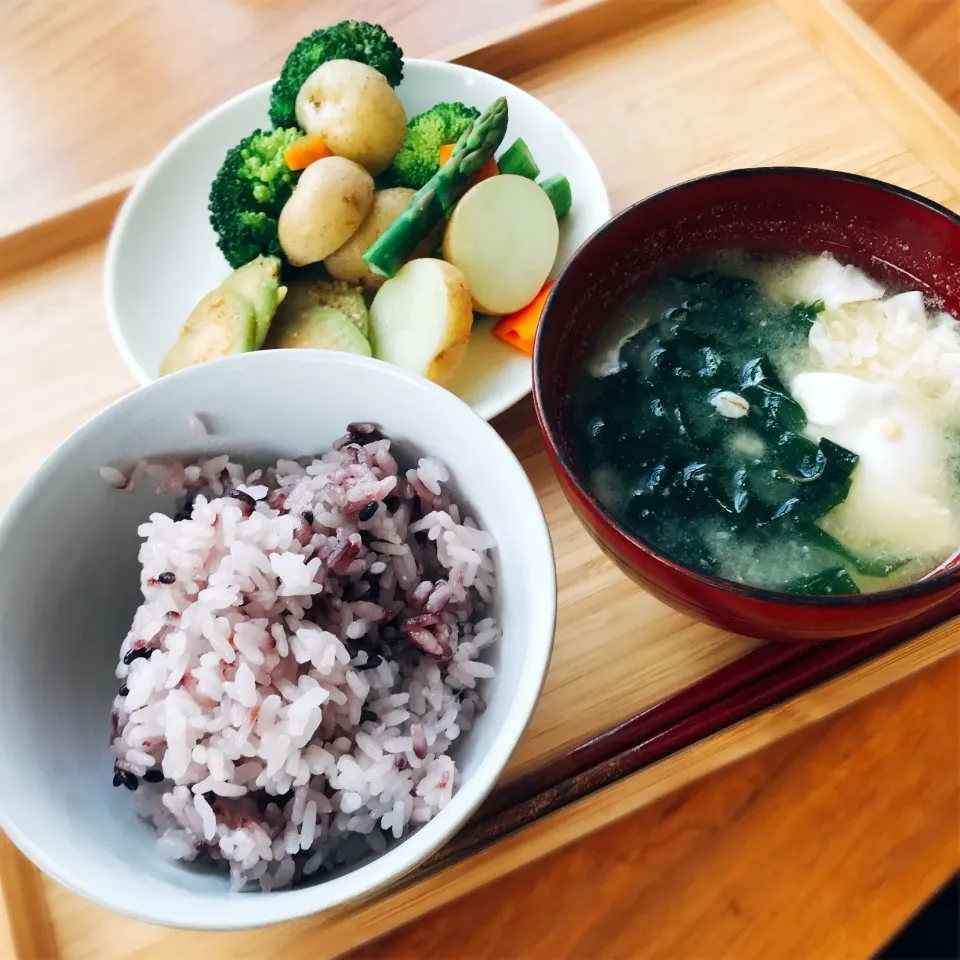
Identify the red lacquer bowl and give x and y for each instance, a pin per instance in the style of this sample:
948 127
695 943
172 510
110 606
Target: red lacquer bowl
887 231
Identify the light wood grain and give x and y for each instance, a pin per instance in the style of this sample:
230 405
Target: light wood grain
25 926
920 116
687 88
89 89
820 846
94 88
926 33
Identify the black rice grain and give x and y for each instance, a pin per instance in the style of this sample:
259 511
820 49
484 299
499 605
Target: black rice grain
243 497
167 577
368 512
136 653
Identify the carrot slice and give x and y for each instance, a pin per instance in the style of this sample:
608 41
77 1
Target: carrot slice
308 149
446 152
489 169
519 329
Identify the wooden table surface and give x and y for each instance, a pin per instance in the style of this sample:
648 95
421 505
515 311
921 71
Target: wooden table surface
821 846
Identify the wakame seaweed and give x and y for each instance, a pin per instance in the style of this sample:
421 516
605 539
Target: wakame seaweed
664 459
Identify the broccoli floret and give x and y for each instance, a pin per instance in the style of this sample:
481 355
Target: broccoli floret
367 43
418 159
248 194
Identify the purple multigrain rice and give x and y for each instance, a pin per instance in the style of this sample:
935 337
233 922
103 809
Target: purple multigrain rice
290 697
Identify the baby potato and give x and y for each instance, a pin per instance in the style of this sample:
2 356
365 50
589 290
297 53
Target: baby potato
356 112
347 263
504 236
327 205
421 319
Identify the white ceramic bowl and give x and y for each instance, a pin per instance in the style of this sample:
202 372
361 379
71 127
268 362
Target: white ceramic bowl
163 256
70 584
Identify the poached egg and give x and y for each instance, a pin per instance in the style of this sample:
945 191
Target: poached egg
899 496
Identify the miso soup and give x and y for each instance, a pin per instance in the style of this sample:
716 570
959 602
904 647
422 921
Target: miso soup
789 423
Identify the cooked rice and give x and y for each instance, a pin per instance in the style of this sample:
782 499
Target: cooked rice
295 675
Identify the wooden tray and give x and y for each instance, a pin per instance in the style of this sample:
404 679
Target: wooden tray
639 700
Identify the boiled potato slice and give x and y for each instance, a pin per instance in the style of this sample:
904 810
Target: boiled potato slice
348 264
503 236
421 319
356 112
327 205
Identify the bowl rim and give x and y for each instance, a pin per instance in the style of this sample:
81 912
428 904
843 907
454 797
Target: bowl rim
151 171
246 911
932 583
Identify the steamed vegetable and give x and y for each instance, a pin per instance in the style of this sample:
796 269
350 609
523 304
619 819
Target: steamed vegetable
448 184
421 319
352 107
517 159
489 169
319 328
347 263
504 236
557 188
419 157
259 283
446 152
234 318
343 297
304 196
222 323
366 43
520 329
331 199
248 193
301 153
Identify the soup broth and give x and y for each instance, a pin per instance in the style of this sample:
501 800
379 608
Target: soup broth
787 423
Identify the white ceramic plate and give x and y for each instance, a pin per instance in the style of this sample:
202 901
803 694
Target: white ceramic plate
163 257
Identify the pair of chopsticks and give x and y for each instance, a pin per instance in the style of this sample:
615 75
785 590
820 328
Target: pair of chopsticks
763 678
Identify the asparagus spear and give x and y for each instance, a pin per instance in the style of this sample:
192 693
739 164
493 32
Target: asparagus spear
518 160
557 187
474 148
